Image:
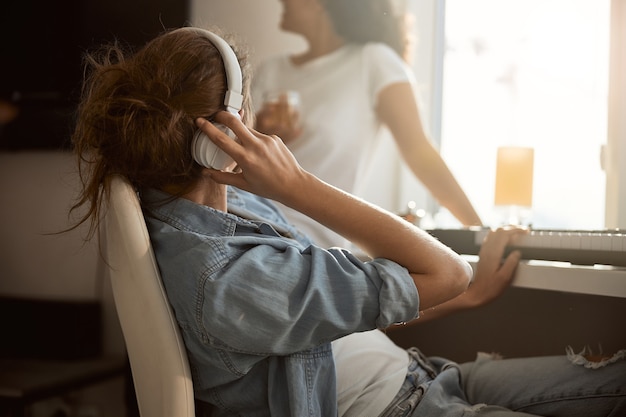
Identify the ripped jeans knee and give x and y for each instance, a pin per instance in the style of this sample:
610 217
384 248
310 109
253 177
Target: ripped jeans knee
590 360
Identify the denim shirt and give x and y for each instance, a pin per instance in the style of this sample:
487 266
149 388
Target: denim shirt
258 305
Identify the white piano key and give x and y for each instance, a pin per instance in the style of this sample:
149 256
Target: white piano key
618 242
606 242
480 235
535 239
554 239
574 241
585 241
526 240
564 240
596 241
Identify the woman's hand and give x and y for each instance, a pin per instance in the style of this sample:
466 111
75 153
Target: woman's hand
280 117
266 167
493 275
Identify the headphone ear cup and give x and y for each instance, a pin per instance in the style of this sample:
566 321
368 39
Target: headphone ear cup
207 153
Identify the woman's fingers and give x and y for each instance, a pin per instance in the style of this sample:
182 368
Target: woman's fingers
266 166
497 240
218 136
494 275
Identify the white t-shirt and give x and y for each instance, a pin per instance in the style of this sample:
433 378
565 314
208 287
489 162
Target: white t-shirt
370 371
338 94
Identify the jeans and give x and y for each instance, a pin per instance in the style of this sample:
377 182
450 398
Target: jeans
552 386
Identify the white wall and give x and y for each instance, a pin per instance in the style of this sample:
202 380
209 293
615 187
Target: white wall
254 22
38 188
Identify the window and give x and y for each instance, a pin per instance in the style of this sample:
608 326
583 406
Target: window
529 73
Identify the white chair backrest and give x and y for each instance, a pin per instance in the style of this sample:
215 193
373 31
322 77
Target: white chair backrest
155 347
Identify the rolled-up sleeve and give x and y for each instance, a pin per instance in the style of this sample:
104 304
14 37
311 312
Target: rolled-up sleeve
283 299
398 295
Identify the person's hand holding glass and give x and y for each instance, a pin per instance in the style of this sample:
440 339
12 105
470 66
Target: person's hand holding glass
280 115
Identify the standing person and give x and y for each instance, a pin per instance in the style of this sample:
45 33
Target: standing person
352 80
259 306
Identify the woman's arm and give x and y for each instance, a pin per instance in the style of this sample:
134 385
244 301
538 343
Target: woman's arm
397 108
492 277
267 168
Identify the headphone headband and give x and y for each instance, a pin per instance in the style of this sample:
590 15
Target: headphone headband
233 99
204 151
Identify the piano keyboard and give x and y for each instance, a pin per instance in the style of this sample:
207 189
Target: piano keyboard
579 247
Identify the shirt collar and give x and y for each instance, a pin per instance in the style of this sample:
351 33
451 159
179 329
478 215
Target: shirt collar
186 214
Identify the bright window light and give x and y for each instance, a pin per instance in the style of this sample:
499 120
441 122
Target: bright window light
530 73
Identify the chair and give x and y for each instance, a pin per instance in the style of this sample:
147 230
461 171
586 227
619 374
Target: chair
157 355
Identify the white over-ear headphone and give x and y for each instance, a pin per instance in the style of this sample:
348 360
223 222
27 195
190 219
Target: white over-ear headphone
204 151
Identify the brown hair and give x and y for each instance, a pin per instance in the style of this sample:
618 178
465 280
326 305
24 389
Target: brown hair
362 21
137 112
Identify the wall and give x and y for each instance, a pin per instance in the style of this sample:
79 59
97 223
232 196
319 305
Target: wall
257 27
38 189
